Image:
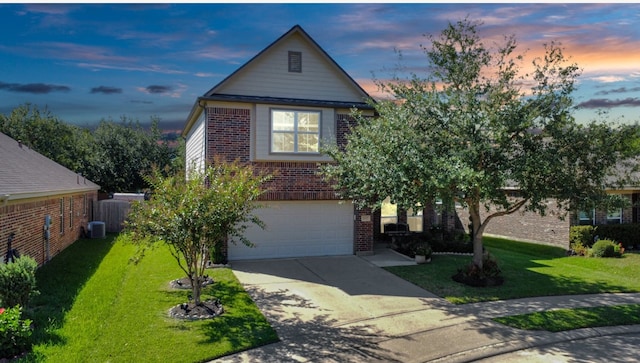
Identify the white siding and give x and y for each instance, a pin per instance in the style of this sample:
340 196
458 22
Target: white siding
195 146
263 133
268 76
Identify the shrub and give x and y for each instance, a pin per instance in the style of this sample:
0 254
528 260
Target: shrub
627 234
423 250
580 249
15 334
18 281
489 268
489 275
605 248
581 236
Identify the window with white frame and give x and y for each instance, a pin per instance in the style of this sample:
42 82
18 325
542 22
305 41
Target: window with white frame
71 212
614 217
586 217
61 215
295 131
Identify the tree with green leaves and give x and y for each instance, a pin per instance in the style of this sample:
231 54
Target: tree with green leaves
66 144
477 124
114 155
195 216
124 152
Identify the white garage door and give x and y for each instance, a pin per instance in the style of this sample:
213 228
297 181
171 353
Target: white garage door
296 229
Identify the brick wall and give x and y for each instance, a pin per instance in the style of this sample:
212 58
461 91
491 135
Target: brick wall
363 231
295 181
228 135
601 215
26 220
527 226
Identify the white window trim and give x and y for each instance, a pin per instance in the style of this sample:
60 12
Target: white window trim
61 219
295 131
619 219
592 219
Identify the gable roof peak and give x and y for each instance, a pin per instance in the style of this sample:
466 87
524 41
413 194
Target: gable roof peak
295 29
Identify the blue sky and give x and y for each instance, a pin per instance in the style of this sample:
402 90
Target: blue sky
87 62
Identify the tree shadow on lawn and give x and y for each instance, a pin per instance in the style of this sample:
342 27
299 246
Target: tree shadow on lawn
306 334
60 281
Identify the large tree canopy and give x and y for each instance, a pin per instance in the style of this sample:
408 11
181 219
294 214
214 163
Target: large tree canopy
476 124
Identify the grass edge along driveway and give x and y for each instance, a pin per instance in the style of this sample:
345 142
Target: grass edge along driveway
532 270
97 306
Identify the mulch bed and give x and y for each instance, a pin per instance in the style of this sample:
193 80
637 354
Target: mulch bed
190 311
476 281
207 309
185 283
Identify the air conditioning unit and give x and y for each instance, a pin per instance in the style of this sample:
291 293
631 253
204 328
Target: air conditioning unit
96 229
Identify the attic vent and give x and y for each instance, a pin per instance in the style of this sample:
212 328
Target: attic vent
295 62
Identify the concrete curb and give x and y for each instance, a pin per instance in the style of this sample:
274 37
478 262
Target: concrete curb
493 350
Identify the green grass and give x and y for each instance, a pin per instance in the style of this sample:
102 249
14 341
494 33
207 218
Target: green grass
97 306
529 270
569 319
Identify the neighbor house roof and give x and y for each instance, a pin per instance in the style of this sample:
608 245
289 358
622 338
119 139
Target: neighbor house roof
214 93
25 173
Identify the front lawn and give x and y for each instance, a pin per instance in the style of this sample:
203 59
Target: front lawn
529 270
569 319
97 306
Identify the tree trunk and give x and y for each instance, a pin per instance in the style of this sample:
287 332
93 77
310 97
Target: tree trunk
196 288
476 233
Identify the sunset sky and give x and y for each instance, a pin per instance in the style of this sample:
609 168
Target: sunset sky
85 62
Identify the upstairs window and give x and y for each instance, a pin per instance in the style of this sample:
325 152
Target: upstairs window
295 131
295 62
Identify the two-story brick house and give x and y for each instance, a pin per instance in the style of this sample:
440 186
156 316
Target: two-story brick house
274 112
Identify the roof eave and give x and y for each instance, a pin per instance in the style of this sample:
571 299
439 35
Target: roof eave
196 111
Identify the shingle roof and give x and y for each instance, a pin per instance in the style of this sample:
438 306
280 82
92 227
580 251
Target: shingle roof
25 173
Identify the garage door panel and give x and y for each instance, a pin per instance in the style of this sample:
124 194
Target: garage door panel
295 229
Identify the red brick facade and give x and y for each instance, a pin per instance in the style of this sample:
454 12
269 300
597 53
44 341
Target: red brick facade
228 135
26 219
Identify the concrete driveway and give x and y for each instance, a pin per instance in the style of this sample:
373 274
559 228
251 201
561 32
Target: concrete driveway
347 309
338 309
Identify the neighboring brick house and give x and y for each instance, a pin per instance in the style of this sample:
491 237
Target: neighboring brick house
273 113
553 230
33 187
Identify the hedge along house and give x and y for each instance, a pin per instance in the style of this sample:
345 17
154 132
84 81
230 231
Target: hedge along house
273 113
43 205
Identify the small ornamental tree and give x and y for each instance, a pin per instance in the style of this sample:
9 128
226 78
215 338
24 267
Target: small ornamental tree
477 124
194 216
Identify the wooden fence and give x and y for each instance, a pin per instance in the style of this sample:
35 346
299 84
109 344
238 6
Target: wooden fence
112 212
